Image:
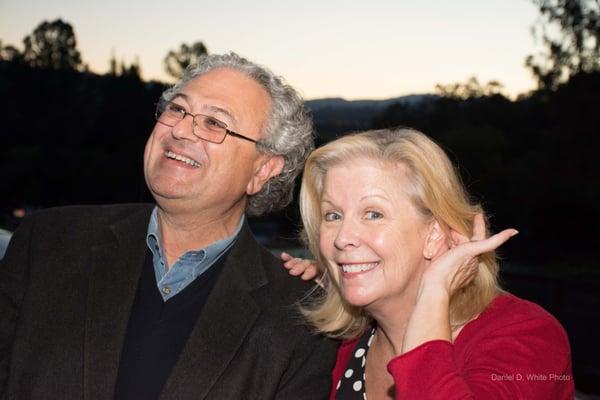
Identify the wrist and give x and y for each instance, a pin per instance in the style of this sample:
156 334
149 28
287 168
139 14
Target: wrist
433 294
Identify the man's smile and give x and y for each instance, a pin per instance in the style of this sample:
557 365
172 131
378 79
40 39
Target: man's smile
174 156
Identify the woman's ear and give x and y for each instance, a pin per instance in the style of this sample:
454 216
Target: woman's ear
435 241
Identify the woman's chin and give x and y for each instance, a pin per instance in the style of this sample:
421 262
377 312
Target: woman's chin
358 297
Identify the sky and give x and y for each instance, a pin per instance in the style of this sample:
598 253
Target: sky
371 49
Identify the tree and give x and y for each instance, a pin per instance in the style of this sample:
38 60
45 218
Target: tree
10 53
52 45
569 31
121 69
176 61
469 89
133 71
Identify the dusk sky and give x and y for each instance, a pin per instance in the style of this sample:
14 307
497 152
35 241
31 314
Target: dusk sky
357 50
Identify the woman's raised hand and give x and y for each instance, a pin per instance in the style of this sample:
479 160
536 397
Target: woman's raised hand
456 266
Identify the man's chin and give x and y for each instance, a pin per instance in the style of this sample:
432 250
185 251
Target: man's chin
170 194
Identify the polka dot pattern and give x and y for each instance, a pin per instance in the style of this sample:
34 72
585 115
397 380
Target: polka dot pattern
352 384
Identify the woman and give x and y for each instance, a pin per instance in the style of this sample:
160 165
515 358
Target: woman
411 281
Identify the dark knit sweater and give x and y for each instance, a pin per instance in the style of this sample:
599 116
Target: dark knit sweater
157 332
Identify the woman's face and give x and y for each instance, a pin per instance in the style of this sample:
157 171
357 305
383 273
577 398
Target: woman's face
371 235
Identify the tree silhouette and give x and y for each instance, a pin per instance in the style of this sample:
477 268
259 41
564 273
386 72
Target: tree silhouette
469 89
569 31
10 53
52 45
175 62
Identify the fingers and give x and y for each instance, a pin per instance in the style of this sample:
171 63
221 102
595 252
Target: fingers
296 267
305 269
475 248
458 266
458 238
466 275
291 264
479 231
288 261
310 273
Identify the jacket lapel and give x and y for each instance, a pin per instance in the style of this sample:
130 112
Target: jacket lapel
226 319
116 265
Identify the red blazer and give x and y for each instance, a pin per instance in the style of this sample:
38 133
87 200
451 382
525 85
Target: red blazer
513 350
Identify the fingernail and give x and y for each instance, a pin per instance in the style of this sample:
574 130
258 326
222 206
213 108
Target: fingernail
514 232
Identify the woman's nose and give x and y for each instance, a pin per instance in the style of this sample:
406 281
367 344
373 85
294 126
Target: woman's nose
347 235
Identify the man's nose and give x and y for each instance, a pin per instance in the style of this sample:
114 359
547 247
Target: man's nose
184 129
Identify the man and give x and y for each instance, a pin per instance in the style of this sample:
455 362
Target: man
177 300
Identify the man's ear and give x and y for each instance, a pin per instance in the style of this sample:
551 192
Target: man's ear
434 241
265 170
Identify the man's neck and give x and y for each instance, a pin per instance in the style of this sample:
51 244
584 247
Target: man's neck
182 232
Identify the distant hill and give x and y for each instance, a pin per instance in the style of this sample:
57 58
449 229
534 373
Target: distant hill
336 116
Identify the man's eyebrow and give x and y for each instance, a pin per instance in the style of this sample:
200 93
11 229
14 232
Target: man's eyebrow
184 96
219 110
208 107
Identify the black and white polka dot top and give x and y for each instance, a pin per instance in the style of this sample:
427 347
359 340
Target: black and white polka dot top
351 385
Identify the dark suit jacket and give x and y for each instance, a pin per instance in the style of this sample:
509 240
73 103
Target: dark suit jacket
67 284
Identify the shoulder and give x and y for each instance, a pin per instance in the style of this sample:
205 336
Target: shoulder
518 329
509 312
60 228
276 293
280 330
264 274
86 214
281 294
281 281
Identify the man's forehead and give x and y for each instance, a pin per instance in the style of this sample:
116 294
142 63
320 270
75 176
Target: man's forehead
224 78
228 92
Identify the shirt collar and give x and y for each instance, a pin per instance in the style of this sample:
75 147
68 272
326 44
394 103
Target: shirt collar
189 266
153 239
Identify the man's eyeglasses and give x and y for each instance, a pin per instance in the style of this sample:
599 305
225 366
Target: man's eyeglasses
204 127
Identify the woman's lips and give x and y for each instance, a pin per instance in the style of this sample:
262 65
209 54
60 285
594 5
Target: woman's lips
355 268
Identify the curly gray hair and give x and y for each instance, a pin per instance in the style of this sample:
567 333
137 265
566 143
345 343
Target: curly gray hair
288 131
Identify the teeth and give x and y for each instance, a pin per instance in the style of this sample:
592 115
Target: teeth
179 157
354 268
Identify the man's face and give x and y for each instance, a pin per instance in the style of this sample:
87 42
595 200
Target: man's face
191 174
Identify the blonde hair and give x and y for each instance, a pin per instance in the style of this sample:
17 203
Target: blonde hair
436 191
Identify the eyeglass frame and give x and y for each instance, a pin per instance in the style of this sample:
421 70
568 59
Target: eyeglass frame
164 103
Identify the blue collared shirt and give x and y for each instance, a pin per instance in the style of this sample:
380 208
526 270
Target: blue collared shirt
189 266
